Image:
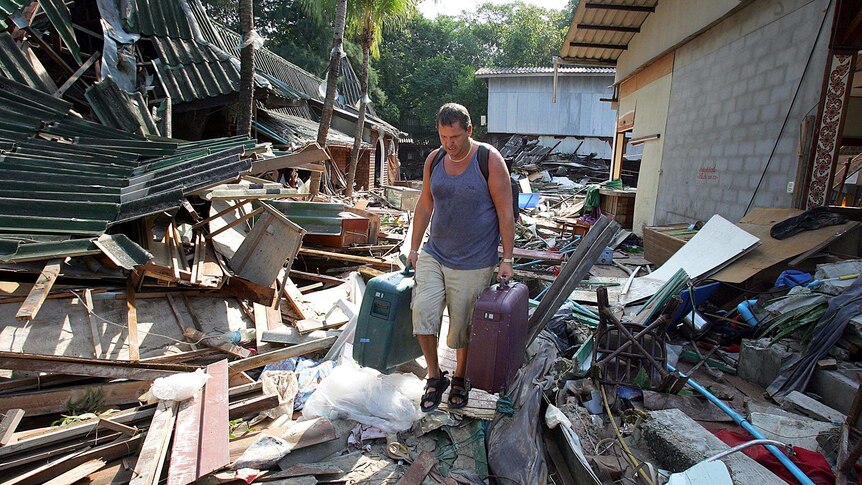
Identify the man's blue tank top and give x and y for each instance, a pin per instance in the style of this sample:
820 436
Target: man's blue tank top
465 231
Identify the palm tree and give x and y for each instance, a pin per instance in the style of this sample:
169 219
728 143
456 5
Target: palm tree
367 20
246 71
317 8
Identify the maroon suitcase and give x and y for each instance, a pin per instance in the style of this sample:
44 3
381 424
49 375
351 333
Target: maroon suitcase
499 337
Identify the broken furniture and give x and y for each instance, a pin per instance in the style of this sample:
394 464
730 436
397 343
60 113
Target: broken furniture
624 350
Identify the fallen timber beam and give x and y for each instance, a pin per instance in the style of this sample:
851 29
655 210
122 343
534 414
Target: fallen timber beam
375 263
40 403
89 367
572 273
261 360
72 432
40 291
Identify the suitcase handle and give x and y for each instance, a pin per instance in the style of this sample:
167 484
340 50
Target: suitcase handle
408 270
503 285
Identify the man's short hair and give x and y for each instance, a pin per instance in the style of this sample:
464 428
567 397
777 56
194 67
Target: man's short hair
452 113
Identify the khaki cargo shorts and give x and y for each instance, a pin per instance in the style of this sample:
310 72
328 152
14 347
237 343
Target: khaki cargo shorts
437 287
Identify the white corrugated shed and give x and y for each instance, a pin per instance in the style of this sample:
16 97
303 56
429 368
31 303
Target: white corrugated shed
519 101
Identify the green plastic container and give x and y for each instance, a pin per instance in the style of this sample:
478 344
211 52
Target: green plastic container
384 328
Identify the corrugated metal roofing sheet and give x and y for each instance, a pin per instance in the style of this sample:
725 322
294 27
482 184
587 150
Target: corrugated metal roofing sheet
116 108
8 7
57 196
547 71
14 65
164 18
59 15
192 70
601 30
295 131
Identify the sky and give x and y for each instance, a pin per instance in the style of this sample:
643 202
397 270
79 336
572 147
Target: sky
430 9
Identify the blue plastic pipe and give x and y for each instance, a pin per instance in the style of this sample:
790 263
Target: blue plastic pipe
738 419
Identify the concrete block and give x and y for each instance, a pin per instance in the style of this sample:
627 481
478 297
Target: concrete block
835 387
802 404
760 363
799 431
678 443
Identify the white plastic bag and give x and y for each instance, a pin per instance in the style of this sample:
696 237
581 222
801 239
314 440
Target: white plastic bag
389 402
179 387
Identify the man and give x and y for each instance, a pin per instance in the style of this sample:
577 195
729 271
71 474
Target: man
472 216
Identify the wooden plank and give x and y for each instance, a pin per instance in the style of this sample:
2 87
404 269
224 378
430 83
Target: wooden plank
261 360
179 320
309 154
132 321
107 452
77 75
264 320
250 406
120 428
186 445
250 291
419 469
40 403
115 369
216 342
310 325
328 280
236 222
40 291
94 329
376 263
151 460
215 426
54 435
78 473
297 302
218 214
9 424
311 287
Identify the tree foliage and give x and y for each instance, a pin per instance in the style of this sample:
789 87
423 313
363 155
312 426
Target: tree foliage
426 62
434 61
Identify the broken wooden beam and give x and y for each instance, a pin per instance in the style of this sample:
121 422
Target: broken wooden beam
9 424
151 460
553 257
40 403
417 472
132 321
40 291
95 334
89 367
120 428
261 360
254 405
376 263
200 444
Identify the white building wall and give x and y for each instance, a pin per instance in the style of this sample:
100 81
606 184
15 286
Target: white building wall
523 105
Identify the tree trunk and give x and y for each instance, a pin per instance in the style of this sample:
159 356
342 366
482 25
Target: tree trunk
360 124
246 84
331 84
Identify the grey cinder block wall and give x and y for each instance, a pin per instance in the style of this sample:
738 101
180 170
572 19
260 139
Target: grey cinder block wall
731 89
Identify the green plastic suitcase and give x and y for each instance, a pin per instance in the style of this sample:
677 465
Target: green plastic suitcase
384 327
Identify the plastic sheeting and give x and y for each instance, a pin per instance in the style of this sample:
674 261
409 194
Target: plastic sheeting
522 460
389 402
795 374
